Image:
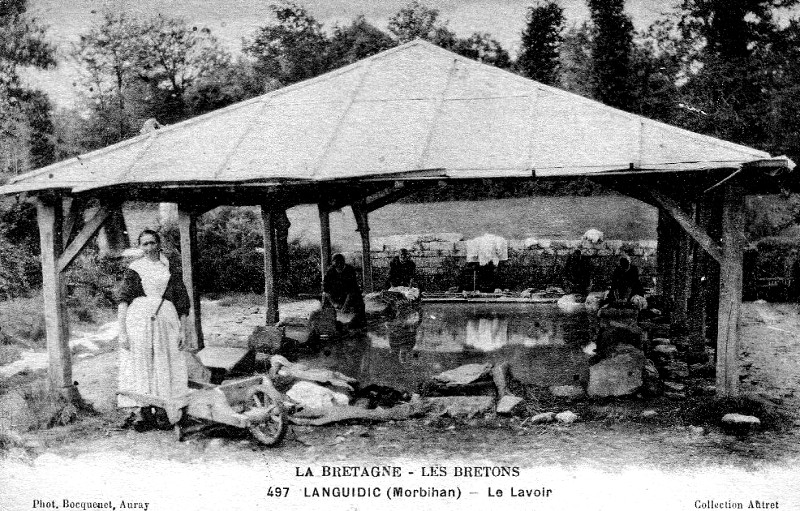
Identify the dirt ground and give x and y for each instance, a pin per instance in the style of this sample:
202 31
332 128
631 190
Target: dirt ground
611 458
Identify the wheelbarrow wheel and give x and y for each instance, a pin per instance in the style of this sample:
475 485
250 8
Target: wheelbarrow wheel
271 430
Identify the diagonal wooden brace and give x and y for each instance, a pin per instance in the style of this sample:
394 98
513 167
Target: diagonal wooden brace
89 229
687 223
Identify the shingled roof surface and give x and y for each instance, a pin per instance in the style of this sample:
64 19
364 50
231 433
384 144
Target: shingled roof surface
413 109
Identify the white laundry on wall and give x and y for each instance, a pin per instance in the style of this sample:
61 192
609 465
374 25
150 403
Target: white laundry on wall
486 248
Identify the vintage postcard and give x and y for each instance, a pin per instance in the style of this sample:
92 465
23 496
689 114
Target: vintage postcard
402 254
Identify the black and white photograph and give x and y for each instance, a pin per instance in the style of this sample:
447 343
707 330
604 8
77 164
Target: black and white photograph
537 255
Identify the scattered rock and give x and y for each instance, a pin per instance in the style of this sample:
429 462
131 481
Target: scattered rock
543 418
674 387
619 375
214 443
675 395
736 419
459 406
647 414
567 391
501 374
677 370
661 340
567 417
665 350
696 430
311 395
508 404
266 339
464 375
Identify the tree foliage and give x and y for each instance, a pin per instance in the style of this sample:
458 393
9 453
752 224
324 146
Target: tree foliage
136 68
358 40
539 54
418 21
291 49
611 52
25 126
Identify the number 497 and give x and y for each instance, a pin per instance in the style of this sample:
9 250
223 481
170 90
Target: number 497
278 491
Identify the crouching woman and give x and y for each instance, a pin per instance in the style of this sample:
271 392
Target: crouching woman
152 302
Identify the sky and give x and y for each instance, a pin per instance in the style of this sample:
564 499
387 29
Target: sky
232 20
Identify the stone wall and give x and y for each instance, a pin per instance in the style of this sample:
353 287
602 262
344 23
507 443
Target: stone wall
532 263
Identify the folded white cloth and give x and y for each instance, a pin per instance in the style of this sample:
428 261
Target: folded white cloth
486 248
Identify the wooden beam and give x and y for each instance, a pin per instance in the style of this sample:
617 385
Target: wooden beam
687 223
730 292
89 229
187 226
49 218
270 289
73 209
384 199
325 239
361 215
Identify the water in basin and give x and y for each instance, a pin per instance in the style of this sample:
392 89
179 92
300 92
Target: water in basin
542 344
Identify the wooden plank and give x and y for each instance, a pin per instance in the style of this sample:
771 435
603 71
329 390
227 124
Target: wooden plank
362 221
270 288
89 229
687 223
49 218
187 226
730 292
325 238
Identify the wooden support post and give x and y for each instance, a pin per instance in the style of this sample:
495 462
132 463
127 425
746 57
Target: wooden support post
187 226
700 280
270 263
50 220
361 215
730 292
325 239
664 256
683 275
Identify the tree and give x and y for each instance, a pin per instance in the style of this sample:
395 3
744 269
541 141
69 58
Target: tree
575 60
611 52
357 41
539 57
171 58
418 21
107 57
737 70
25 127
292 49
484 48
135 68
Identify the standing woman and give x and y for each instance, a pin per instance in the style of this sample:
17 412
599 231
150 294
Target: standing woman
152 302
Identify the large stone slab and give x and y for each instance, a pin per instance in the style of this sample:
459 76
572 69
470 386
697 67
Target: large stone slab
464 375
508 404
620 375
459 406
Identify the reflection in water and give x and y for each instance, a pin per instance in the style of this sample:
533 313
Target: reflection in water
542 344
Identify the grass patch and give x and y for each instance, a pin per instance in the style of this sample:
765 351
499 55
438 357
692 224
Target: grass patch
709 412
9 354
22 322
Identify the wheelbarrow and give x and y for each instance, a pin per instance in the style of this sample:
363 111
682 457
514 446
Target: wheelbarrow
251 403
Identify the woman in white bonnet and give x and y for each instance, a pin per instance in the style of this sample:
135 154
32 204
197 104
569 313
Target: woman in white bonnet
152 302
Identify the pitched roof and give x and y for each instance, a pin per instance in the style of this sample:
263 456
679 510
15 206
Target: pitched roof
410 110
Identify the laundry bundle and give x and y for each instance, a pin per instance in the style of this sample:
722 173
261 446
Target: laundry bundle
487 248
